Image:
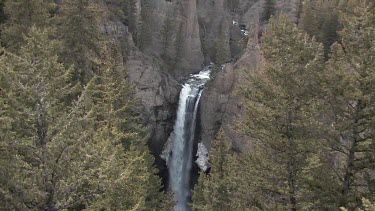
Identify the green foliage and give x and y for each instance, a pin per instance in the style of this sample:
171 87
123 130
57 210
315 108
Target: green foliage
145 26
320 19
135 185
222 52
366 204
2 13
168 202
80 34
37 123
167 32
268 9
233 6
280 105
88 154
179 46
349 81
126 10
21 15
132 17
216 191
65 146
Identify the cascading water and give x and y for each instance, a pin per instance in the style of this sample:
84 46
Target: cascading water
180 160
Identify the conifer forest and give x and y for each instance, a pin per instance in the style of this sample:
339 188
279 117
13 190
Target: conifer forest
187 105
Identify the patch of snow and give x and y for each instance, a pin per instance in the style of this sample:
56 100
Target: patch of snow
202 159
235 23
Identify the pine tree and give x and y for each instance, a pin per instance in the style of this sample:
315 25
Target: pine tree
222 53
133 184
233 6
167 32
126 10
349 90
31 105
82 155
215 191
144 31
280 120
268 9
21 15
320 19
168 202
179 46
2 13
298 10
79 32
132 18
367 206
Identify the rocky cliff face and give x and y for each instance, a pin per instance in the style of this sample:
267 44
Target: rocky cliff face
185 21
201 23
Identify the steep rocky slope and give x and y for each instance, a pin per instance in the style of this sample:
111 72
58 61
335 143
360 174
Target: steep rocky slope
201 23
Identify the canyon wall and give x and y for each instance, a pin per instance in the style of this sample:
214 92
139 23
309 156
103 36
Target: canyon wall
201 23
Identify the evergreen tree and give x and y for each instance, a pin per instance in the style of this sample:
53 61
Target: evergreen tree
349 90
222 53
79 22
145 26
33 110
216 191
21 15
88 154
126 10
168 202
2 13
179 46
280 119
298 10
233 6
268 9
167 32
367 206
132 18
320 19
136 185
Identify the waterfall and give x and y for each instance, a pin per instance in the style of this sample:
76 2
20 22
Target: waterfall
180 160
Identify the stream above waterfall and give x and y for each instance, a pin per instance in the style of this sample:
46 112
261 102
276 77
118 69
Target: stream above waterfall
181 149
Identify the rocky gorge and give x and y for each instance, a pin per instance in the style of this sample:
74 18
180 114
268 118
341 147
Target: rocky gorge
187 105
202 24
